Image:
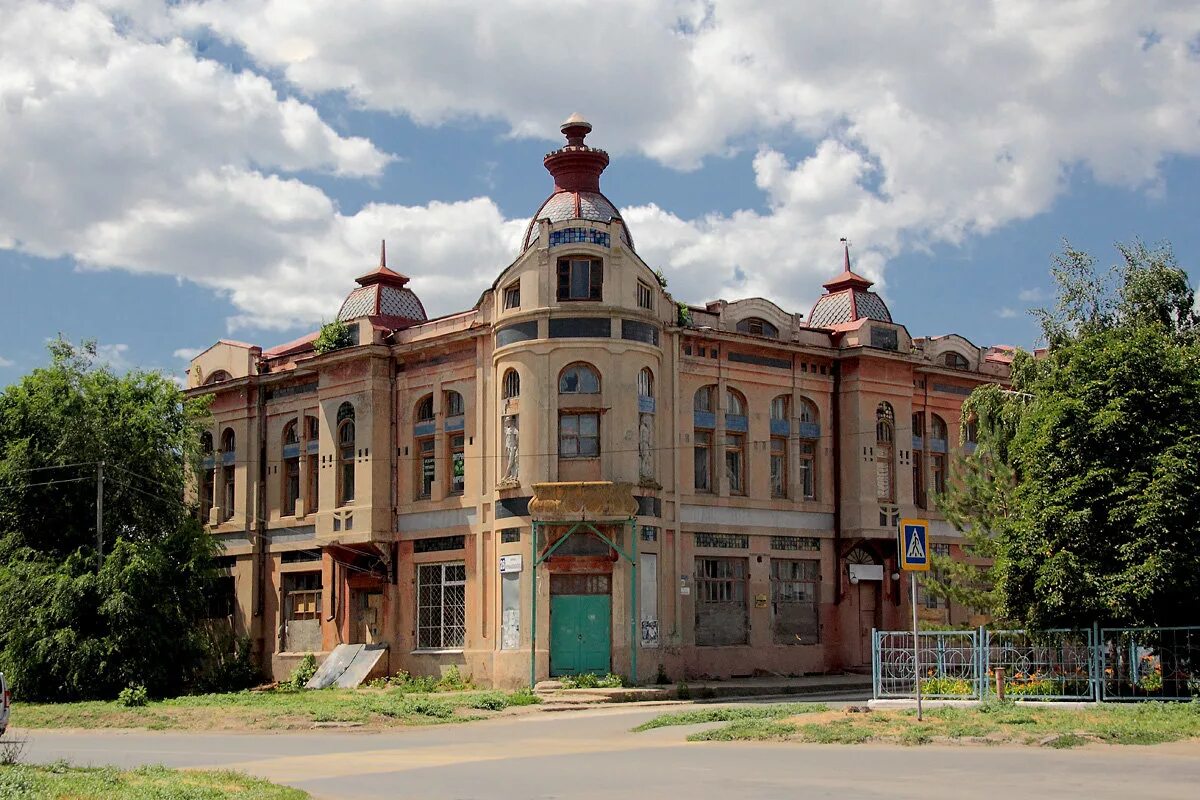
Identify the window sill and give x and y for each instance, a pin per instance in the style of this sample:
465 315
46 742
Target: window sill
436 652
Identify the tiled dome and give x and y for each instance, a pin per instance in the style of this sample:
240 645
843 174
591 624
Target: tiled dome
382 293
848 298
576 169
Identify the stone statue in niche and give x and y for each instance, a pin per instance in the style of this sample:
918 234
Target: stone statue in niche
646 447
511 445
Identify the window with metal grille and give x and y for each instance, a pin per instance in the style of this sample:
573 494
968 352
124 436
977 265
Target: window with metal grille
437 544
458 464
645 383
512 384
441 606
580 279
728 540
645 299
795 543
794 597
721 601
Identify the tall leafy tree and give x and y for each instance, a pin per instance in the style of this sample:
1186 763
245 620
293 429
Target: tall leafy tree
1085 490
72 624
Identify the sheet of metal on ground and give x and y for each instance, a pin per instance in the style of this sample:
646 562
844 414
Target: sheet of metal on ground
360 668
334 665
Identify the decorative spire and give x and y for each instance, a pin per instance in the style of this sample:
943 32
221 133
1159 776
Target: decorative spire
382 274
383 252
847 280
576 167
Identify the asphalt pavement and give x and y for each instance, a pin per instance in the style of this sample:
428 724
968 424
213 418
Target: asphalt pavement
592 754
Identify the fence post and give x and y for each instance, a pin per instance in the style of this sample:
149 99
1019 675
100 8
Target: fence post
1097 664
982 656
875 663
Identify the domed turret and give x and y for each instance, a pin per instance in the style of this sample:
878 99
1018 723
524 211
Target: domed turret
847 299
576 170
383 296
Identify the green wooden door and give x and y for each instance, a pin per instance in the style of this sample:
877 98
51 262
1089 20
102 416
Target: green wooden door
580 634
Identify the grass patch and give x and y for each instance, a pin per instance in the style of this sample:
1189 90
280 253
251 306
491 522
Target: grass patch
992 723
147 783
746 730
732 714
285 709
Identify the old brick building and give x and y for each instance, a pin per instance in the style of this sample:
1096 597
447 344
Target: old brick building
717 488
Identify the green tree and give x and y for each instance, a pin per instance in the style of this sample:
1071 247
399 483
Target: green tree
72 625
1084 491
334 336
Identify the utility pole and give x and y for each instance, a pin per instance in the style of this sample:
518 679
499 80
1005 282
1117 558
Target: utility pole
99 514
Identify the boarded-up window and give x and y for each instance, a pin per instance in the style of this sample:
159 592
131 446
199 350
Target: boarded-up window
302 612
720 601
794 593
648 598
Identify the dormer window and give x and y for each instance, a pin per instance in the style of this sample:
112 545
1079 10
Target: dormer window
955 361
758 327
580 279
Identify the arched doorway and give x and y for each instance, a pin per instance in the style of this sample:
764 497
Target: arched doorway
865 572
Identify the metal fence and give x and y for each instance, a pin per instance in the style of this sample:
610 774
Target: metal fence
1101 664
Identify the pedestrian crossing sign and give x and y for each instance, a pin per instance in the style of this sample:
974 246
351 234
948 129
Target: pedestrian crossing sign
914 544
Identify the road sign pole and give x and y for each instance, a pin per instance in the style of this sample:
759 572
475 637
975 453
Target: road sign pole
916 643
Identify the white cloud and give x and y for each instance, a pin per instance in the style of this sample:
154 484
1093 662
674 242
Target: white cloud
1006 313
115 356
919 126
187 353
6 362
1034 295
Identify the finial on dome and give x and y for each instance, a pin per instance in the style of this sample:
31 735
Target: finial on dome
575 129
846 247
847 278
383 252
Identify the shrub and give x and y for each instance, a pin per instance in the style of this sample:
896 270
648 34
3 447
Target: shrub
947 685
526 697
334 336
227 664
302 674
427 707
682 692
685 314
490 701
660 677
133 696
453 681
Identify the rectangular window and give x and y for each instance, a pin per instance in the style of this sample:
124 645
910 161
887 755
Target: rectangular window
291 486
580 279
458 464
441 606
207 487
808 470
512 296
918 462
578 435
313 501
426 467
703 458
779 471
939 473
228 499
721 602
645 298
735 462
302 611
794 597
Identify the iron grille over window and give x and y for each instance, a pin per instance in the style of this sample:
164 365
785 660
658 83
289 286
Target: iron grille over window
795 543
726 540
441 606
438 544
512 384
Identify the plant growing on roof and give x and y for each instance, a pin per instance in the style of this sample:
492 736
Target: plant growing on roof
685 314
662 279
334 336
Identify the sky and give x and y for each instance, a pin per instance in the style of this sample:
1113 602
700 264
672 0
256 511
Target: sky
175 173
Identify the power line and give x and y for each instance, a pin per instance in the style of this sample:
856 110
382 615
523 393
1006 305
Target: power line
53 466
24 486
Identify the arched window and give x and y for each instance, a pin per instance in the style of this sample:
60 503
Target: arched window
455 443
780 428
425 409
208 477
918 459
345 454
511 384
645 383
579 379
808 410
955 360
228 473
885 437
702 437
218 376
290 483
735 441
758 327
312 466
937 453
578 430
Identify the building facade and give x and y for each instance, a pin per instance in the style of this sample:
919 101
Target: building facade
578 473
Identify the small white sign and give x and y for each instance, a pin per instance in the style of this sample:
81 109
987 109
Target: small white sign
685 590
510 564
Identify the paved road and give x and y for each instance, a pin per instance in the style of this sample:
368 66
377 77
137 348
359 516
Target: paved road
591 754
